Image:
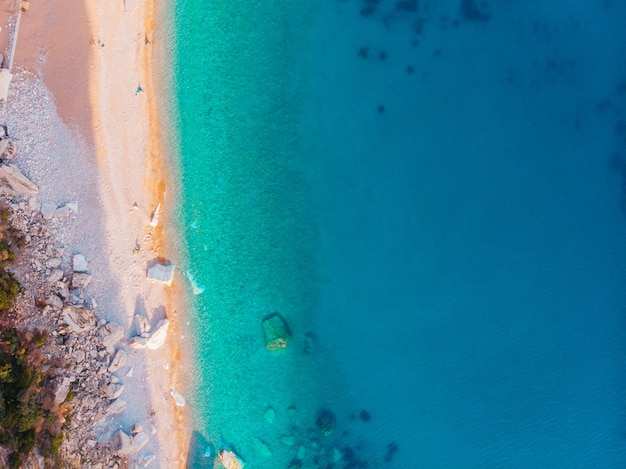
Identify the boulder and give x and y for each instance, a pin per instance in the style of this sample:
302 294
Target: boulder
140 440
116 407
137 428
8 150
61 390
161 273
118 361
53 262
158 336
113 390
48 209
79 318
80 280
110 334
55 276
62 212
325 421
142 325
13 182
138 343
230 460
79 263
261 448
121 443
275 332
178 399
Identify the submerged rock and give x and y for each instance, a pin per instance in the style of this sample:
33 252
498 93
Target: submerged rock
275 332
230 460
79 263
326 421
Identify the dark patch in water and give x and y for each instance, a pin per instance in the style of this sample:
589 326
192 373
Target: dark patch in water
410 70
382 55
392 449
367 11
365 415
471 11
380 109
363 52
407 6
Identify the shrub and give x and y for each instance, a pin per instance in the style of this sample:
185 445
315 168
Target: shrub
9 289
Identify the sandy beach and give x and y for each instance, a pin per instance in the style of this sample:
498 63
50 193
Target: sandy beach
83 107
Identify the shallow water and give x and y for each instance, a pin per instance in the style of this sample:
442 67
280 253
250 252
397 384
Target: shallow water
438 197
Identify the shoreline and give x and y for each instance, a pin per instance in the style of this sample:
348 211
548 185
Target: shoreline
116 59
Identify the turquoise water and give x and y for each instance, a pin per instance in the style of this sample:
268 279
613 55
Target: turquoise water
436 195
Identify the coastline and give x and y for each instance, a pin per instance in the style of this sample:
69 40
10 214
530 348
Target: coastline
97 99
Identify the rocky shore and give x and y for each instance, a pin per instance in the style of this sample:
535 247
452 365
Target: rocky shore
95 372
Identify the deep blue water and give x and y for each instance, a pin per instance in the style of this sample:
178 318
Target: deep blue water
438 196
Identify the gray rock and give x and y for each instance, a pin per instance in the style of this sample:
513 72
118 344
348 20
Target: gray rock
79 318
116 407
275 332
121 443
113 390
55 302
55 276
146 459
13 182
140 440
80 280
79 263
62 388
142 325
8 150
118 361
110 334
137 428
63 290
53 262
62 212
48 209
161 273
138 343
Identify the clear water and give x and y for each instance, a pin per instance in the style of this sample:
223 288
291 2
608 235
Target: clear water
438 197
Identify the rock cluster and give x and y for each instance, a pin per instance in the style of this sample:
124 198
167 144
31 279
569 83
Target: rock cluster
82 352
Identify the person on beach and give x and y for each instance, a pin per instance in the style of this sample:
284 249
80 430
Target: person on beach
139 90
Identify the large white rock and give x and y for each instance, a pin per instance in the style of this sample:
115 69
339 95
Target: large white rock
79 318
121 443
116 407
79 263
178 399
161 273
62 388
158 336
13 182
118 361
110 334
